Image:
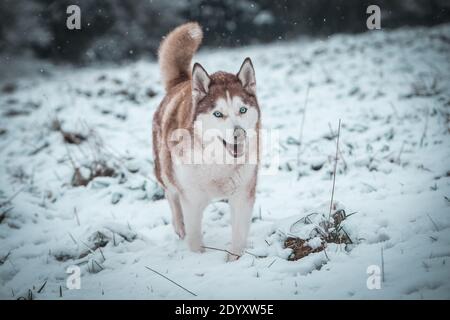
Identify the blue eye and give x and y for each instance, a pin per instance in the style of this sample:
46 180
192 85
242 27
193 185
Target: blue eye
218 114
243 110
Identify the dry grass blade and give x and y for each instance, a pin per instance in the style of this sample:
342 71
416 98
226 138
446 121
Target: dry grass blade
12 197
395 110
98 264
171 281
424 133
4 213
42 287
73 239
300 136
39 149
87 247
3 260
103 256
326 255
217 249
335 166
341 157
75 212
400 152
252 254
434 223
274 260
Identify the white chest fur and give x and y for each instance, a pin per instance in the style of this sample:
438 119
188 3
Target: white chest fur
215 180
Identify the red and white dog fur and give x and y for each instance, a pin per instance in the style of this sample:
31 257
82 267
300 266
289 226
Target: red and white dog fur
222 102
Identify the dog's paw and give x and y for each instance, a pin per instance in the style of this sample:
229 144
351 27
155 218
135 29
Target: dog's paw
195 245
179 230
198 249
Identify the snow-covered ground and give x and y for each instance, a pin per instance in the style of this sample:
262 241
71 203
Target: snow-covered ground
390 89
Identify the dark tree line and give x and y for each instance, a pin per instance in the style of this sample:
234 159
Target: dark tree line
114 30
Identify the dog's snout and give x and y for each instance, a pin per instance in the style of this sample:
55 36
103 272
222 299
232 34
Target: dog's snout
239 133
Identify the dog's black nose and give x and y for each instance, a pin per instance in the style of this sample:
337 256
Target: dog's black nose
239 133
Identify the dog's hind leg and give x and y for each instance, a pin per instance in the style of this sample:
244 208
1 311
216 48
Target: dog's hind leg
177 213
192 214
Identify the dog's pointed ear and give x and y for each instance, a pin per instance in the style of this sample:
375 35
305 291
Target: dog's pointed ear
247 77
200 82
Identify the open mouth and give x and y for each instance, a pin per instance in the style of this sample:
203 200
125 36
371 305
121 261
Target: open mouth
235 149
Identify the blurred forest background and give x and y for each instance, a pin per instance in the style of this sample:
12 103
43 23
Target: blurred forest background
117 30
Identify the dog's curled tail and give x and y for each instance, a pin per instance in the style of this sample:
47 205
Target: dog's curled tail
176 52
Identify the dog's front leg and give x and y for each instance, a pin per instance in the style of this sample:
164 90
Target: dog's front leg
192 214
241 213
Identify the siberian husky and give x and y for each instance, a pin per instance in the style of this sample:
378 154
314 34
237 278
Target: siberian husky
225 106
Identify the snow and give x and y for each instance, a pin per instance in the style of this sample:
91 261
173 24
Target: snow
389 88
